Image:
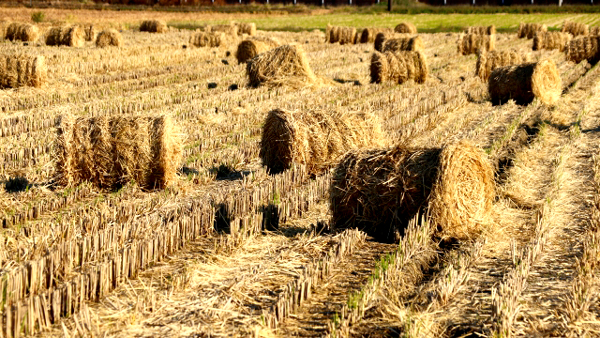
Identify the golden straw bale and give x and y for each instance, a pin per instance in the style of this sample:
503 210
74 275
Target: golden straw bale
473 43
379 191
595 31
22 70
368 34
584 48
482 30
109 37
250 48
284 65
112 151
575 28
230 29
406 27
246 28
204 39
343 35
3 27
528 30
488 61
551 40
22 32
73 36
399 67
316 139
525 82
154 26
414 43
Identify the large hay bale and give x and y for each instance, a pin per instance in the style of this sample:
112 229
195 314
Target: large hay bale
528 30
414 43
109 37
284 65
406 27
368 35
551 40
379 191
22 70
246 28
250 48
575 28
314 138
584 48
230 29
73 36
473 43
154 26
112 151
482 30
399 67
22 32
525 82
488 61
340 34
204 39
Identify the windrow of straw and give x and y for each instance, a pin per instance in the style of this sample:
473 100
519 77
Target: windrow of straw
368 35
575 28
379 191
525 82
314 138
399 67
204 39
528 30
250 48
584 48
284 65
488 61
473 43
340 34
482 30
112 151
414 43
406 27
551 40
22 32
22 70
109 37
154 26
230 29
73 36
90 32
246 28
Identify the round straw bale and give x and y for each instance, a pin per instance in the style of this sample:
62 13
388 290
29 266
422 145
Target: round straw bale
284 65
528 30
22 70
368 35
154 26
379 191
109 37
112 151
584 48
406 27
250 48
414 43
342 35
314 138
73 36
230 29
575 28
399 67
379 40
482 30
488 61
22 32
525 82
473 43
551 40
248 28
204 39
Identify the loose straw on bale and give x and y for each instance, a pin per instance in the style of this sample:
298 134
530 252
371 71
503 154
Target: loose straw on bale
525 82
414 43
153 26
90 32
595 31
473 43
481 30
204 39
284 65
343 35
368 35
315 139
551 40
112 151
73 36
399 67
575 28
230 29
109 37
584 48
528 30
22 70
22 32
250 48
246 28
379 191
488 61
406 27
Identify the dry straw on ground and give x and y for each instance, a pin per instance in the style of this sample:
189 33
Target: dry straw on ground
473 43
230 29
246 28
111 151
399 67
204 39
109 37
414 43
488 61
584 48
368 35
482 30
22 32
575 28
22 70
284 65
551 40
525 82
72 36
340 34
406 27
314 138
379 191
154 26
250 48
528 30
